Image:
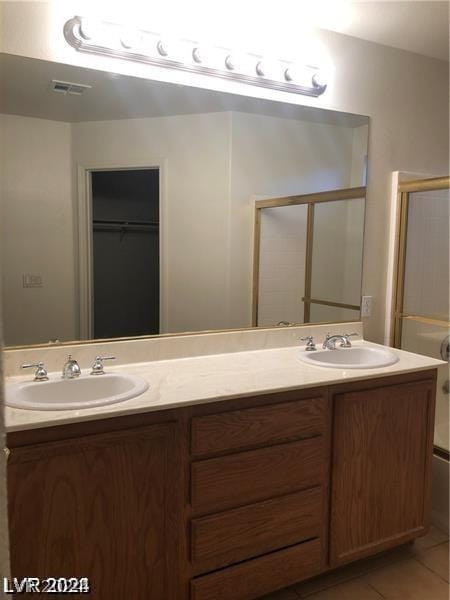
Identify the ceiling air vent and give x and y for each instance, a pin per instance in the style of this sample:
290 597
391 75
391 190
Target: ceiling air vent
68 87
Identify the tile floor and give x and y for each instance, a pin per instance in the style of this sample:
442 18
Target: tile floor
418 571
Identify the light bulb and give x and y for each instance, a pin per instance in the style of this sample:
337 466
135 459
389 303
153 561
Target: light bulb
162 48
197 55
268 68
261 69
319 79
298 74
90 29
289 74
130 38
229 63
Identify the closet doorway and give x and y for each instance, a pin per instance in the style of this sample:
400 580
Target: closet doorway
124 253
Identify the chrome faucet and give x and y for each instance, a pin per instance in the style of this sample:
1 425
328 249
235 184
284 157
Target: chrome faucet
71 369
329 342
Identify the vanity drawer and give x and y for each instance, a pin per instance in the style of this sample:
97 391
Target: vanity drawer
260 576
256 529
246 477
247 427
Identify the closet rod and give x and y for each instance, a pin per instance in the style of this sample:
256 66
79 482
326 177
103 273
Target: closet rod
115 222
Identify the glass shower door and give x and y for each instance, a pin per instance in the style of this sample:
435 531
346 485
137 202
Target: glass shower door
422 303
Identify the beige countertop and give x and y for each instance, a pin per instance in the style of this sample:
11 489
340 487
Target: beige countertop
202 379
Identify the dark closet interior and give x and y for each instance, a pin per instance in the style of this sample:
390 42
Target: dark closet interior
125 212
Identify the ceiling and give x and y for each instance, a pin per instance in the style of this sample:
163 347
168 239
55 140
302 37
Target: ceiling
25 89
416 26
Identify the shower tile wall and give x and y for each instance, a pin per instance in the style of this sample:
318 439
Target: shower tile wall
282 265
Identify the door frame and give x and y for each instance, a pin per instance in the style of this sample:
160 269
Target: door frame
85 240
403 190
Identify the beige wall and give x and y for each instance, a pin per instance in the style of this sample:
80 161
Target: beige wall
36 230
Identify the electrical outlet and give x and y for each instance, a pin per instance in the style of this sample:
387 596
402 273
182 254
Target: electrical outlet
366 306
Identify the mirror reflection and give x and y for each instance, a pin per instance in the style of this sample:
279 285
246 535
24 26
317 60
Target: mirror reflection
308 258
134 207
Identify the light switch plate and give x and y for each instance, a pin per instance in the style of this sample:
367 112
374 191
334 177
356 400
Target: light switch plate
366 306
32 281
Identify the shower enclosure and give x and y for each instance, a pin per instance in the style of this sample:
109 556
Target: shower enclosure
421 303
308 258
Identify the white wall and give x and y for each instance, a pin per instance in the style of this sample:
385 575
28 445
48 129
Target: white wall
405 94
36 229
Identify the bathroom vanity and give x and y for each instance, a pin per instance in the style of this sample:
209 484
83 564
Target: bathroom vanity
228 499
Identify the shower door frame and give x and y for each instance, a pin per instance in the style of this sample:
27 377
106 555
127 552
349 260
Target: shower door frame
405 188
355 193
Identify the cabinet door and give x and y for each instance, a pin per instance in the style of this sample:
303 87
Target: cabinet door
104 507
382 449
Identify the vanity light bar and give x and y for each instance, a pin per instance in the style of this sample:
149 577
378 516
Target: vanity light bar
113 40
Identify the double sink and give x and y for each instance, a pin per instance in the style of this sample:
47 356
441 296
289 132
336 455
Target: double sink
81 390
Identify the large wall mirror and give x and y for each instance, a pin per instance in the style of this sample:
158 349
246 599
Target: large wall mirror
132 207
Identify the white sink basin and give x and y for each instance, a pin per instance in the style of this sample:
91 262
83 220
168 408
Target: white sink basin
86 391
357 357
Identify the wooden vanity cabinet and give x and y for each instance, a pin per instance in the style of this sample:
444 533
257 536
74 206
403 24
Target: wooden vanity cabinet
381 455
104 506
229 500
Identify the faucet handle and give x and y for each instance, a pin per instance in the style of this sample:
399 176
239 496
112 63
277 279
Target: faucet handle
41 373
346 342
97 366
310 345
